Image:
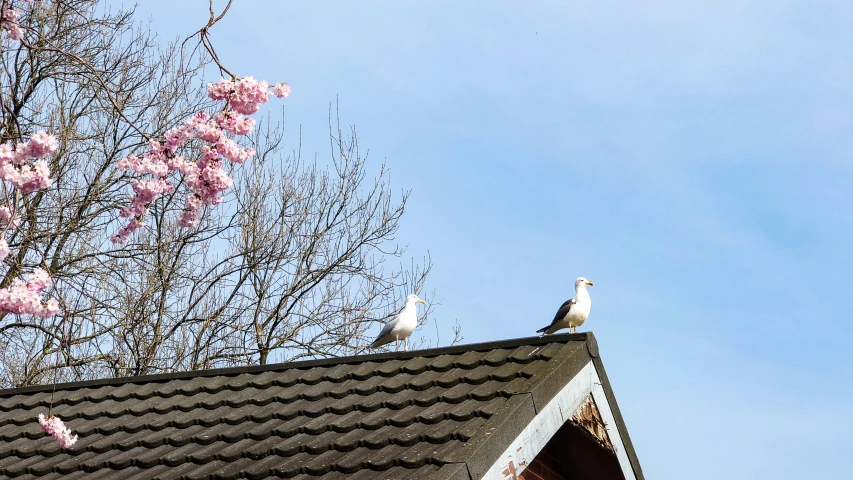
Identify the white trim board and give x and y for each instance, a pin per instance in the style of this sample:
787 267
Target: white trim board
545 424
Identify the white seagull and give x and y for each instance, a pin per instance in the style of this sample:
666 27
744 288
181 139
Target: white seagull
401 326
572 313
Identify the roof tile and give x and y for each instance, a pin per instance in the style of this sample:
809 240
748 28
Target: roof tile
373 417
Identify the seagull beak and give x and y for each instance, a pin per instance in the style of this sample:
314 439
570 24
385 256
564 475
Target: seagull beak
589 283
421 301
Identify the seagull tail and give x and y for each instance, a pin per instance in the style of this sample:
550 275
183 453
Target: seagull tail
543 329
379 342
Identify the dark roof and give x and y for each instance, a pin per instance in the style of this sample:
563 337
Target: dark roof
438 413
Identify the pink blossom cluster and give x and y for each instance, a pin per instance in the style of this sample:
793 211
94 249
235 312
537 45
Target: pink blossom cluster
205 177
245 95
14 166
24 296
54 426
9 22
281 90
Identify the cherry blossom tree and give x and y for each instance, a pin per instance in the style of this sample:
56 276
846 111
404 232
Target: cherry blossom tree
154 222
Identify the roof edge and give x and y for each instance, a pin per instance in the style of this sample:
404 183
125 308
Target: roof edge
163 377
495 435
530 404
621 427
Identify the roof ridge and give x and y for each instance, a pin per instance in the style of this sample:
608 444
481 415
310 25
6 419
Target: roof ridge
233 371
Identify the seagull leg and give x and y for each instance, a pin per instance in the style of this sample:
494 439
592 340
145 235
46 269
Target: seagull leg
407 344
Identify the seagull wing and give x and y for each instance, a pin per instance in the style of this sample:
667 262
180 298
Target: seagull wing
383 338
389 326
564 310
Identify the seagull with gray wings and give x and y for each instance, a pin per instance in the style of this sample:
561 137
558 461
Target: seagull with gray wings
572 313
401 326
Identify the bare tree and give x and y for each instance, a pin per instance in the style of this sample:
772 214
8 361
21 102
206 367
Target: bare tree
299 261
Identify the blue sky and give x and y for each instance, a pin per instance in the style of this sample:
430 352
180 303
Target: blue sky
692 158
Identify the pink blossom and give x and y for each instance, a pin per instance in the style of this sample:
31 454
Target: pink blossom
11 15
9 22
178 137
14 167
190 216
24 297
246 95
199 117
189 169
51 308
22 153
243 126
15 31
28 178
149 163
234 123
8 218
7 153
146 192
127 163
4 249
42 144
17 298
54 426
220 90
209 132
216 179
194 202
281 90
124 233
38 280
130 163
229 149
156 165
